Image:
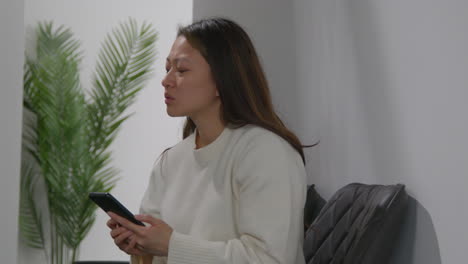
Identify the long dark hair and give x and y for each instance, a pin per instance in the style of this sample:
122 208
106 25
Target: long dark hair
239 77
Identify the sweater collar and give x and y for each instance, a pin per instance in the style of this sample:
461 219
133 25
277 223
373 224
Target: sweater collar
211 151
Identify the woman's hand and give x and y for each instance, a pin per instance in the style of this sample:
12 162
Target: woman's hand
141 240
121 237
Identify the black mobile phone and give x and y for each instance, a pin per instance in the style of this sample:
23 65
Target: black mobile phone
107 202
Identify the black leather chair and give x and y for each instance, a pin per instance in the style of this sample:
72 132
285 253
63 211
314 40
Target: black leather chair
314 204
358 225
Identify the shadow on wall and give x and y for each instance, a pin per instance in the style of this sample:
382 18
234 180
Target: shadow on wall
417 242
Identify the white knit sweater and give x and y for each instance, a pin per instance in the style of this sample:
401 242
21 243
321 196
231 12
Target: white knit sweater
237 200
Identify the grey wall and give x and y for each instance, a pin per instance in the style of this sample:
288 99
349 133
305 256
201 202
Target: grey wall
382 84
11 76
391 78
269 23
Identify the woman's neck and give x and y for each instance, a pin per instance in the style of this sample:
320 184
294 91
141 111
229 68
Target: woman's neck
207 132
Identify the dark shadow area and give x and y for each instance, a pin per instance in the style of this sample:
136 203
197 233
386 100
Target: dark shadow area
417 242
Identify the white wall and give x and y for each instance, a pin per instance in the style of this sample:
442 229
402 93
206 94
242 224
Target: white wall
150 130
11 76
391 78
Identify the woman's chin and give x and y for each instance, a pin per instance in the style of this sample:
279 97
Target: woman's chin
173 113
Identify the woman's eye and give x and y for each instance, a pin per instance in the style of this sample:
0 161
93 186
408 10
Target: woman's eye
177 70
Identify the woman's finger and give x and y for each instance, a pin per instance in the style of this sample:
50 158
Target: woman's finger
111 223
120 239
131 244
147 219
133 248
125 223
117 231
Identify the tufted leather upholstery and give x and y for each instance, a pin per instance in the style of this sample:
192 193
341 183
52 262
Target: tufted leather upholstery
358 225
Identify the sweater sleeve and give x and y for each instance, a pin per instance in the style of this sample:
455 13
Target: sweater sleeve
269 194
151 201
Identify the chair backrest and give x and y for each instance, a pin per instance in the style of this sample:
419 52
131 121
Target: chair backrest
313 206
358 225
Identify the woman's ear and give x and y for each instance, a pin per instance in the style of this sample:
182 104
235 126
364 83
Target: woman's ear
217 93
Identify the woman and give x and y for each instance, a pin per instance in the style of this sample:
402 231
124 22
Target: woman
233 190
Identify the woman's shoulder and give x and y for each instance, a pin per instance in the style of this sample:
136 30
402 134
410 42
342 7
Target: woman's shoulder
180 149
184 145
253 136
256 134
261 150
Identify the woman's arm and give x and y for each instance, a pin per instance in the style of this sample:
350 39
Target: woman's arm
151 204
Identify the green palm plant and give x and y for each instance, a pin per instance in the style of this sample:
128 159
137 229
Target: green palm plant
67 133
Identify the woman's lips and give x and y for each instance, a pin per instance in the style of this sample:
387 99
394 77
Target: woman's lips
169 99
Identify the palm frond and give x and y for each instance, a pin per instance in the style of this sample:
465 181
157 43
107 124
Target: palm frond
124 64
54 94
68 136
30 219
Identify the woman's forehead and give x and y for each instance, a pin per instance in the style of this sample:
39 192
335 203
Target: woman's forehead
182 51
178 58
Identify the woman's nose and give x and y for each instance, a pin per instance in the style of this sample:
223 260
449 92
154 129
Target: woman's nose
167 81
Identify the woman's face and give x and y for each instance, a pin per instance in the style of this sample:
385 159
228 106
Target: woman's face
189 86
